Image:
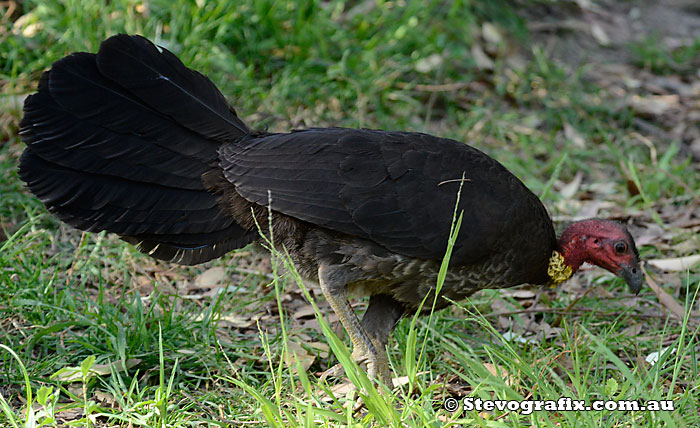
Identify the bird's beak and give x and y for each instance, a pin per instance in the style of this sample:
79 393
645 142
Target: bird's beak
633 276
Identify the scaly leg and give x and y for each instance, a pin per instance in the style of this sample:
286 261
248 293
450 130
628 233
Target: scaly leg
333 281
383 312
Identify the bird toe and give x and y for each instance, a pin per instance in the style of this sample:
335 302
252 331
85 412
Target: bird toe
336 371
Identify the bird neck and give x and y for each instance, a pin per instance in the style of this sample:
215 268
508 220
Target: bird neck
568 257
558 269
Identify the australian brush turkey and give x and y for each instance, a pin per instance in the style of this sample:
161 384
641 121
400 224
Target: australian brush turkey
131 141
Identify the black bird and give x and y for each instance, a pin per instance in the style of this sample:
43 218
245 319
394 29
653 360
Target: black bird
131 141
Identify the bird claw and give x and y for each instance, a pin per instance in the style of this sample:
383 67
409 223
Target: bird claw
377 372
368 363
336 371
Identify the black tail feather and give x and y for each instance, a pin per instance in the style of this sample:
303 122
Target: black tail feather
102 156
90 145
160 80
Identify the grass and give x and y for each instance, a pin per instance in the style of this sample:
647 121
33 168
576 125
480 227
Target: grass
652 54
95 334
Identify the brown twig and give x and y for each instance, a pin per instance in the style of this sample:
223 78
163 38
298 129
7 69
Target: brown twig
565 311
83 235
557 321
665 299
445 87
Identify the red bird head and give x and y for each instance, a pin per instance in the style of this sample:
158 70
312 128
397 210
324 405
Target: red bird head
604 243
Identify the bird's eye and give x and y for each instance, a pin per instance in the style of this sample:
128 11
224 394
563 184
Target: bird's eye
620 247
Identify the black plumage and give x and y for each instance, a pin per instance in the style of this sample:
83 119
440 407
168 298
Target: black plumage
397 189
101 158
131 141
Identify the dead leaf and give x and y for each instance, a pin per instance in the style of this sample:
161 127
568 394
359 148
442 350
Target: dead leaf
483 62
74 374
654 105
653 357
210 277
322 348
569 190
585 4
632 331
296 352
672 84
599 34
105 398
665 299
515 337
518 293
313 324
677 264
231 320
403 380
500 305
69 415
574 136
27 26
429 63
11 103
593 208
603 188
491 34
505 322
236 321
500 372
305 311
343 389
548 331
686 246
651 234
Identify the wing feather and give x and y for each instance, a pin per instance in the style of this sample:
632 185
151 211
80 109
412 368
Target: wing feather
396 189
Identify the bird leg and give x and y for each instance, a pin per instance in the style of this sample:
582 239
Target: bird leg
333 282
383 312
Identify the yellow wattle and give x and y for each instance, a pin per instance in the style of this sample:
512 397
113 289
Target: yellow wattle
558 270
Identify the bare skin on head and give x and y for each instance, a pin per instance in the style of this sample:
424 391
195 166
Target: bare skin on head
603 243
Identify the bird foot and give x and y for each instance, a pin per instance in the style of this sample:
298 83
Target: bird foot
376 370
336 371
365 362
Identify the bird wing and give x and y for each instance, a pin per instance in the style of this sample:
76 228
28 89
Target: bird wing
394 188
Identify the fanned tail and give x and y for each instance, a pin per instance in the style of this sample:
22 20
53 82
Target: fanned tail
119 141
